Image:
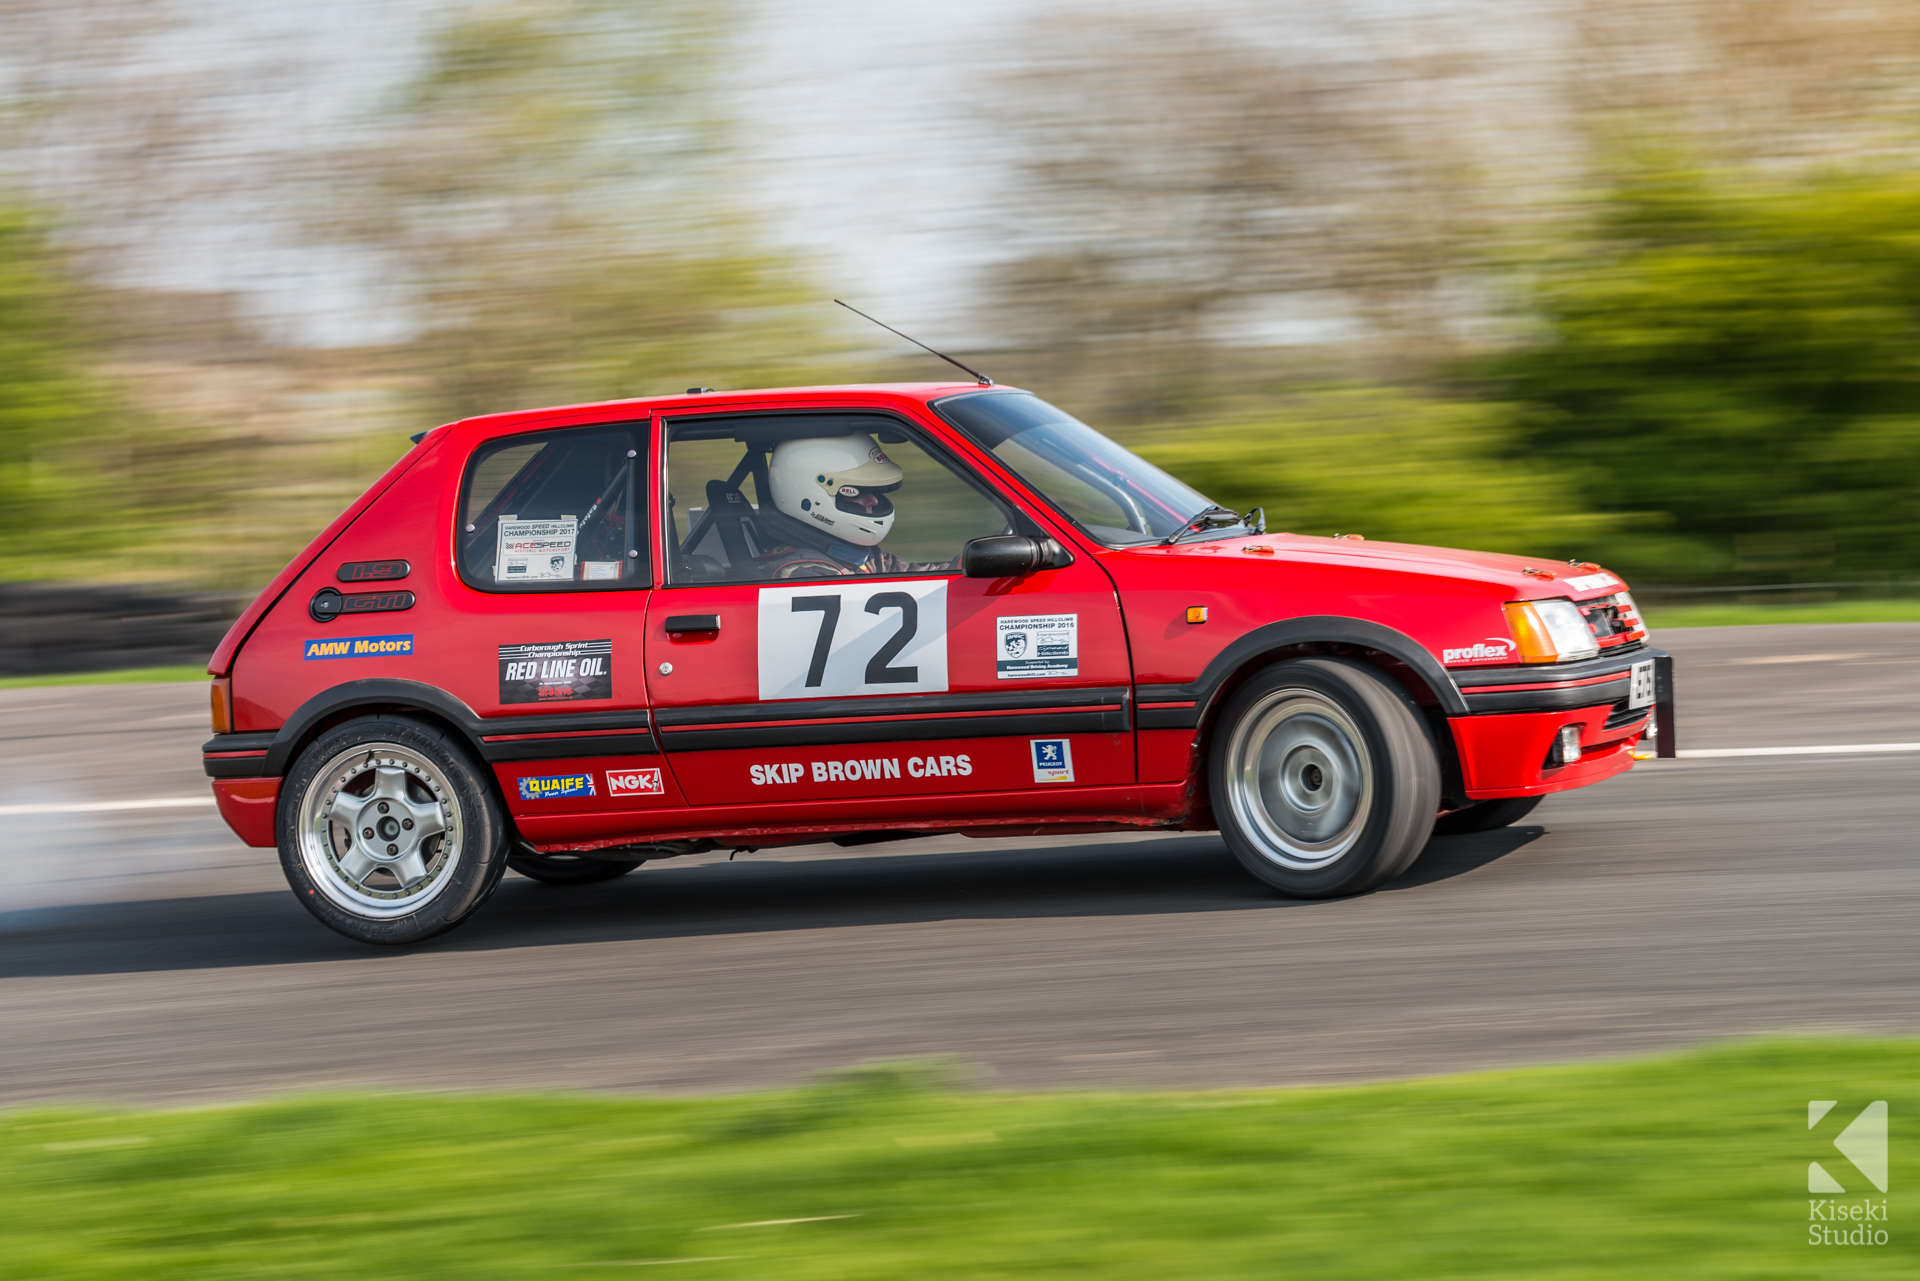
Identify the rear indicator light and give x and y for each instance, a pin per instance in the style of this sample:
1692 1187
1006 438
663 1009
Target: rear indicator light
221 696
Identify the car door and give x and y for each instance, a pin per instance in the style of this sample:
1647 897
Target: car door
800 688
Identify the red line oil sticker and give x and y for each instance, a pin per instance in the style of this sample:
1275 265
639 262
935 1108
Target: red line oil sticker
556 671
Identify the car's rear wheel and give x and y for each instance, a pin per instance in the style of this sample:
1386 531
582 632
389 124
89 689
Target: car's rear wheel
1486 816
568 869
1324 779
389 832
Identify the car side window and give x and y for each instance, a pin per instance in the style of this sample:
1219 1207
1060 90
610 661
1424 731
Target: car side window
796 497
556 511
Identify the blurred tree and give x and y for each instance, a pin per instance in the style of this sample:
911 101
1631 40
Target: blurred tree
1387 465
56 411
554 197
1737 357
1182 193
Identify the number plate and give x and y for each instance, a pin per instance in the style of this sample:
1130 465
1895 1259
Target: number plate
826 640
1640 687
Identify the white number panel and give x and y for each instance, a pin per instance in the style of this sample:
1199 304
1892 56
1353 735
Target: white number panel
838 637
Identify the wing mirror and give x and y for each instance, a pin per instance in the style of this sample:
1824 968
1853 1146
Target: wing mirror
1011 555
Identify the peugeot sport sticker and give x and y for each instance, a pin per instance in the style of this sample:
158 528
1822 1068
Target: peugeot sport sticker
556 671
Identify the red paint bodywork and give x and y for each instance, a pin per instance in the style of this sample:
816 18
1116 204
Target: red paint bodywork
1141 661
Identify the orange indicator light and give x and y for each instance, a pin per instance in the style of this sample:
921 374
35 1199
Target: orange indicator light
1196 613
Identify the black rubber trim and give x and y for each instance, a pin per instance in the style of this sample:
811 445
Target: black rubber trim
239 742
1614 660
1548 700
800 709
1316 629
235 766
1112 721
568 746
390 693
1614 663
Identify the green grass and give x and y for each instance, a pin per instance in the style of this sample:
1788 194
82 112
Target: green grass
127 676
1686 1165
1736 615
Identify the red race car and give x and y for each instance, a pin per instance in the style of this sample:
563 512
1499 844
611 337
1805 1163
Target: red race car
571 640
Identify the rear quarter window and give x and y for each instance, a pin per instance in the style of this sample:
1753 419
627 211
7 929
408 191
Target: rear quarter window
558 511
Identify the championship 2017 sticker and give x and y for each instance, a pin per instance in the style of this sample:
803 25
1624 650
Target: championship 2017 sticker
1052 760
535 551
556 671
359 647
1037 645
554 786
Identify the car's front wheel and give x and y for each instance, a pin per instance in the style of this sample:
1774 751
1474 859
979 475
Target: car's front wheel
1324 779
389 832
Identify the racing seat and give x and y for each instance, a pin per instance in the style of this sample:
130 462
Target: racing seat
729 517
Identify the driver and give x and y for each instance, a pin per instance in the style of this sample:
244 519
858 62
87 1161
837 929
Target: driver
831 509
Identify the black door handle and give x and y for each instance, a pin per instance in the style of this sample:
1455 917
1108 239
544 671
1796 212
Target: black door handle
693 623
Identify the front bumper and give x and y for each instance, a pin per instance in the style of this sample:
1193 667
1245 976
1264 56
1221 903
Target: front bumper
1516 713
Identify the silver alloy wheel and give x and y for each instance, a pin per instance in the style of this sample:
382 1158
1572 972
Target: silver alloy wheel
1299 779
380 830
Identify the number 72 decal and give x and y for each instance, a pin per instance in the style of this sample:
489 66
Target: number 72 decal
836 638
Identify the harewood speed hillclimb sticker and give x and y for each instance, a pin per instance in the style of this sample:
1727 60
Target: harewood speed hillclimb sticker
556 671
553 786
1037 645
535 551
359 647
1052 760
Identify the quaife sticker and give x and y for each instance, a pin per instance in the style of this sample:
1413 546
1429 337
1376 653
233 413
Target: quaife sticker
1052 760
1037 645
556 671
359 647
635 782
554 786
535 551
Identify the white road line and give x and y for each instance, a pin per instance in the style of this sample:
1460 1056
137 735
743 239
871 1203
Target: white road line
1844 749
101 807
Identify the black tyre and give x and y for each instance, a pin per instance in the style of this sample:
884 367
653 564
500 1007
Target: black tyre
1324 777
567 869
389 831
1486 816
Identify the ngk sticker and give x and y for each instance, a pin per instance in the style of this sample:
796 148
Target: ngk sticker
1493 647
635 782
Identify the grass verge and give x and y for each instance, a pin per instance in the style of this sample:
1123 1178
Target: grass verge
1691 1164
127 676
1735 615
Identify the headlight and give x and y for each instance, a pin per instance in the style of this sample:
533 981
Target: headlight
1550 631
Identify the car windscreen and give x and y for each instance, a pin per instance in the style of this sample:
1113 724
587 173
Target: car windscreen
1117 497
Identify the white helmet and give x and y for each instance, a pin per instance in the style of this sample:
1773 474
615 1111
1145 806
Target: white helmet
823 480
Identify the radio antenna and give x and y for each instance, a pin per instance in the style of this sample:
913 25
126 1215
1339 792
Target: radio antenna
978 377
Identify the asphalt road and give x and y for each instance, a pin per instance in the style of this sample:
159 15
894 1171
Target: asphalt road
146 955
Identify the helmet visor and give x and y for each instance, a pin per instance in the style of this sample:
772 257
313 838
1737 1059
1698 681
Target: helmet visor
865 500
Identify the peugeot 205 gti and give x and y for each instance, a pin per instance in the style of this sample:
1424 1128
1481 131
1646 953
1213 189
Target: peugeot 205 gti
571 640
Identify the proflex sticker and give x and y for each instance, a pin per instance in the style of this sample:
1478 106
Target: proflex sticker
1052 760
554 786
535 551
359 647
556 671
635 782
1037 645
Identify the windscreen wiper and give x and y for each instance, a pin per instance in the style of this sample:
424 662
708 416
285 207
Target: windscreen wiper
1188 526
